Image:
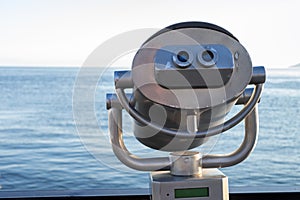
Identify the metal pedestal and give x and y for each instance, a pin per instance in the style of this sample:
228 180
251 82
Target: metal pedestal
211 185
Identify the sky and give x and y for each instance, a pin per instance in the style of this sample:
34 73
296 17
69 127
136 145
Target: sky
65 32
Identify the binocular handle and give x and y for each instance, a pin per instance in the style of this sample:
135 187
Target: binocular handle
164 163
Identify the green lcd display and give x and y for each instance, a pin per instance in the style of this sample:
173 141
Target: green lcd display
191 192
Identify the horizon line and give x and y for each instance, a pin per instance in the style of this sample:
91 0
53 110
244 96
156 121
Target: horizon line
92 66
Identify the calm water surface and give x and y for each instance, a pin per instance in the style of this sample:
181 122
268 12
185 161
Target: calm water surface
52 141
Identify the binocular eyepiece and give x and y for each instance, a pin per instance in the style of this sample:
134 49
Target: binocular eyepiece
193 66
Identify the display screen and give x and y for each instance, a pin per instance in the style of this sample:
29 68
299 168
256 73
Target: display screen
191 192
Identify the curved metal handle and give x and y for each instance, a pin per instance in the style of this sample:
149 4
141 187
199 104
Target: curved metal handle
247 146
153 164
120 150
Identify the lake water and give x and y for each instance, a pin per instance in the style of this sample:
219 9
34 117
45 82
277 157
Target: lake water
53 133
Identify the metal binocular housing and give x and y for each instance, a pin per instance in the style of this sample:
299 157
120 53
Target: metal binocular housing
185 79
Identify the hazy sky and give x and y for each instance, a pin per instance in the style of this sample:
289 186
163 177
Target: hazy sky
65 32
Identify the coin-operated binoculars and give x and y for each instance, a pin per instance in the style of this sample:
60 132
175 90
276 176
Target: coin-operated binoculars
185 79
